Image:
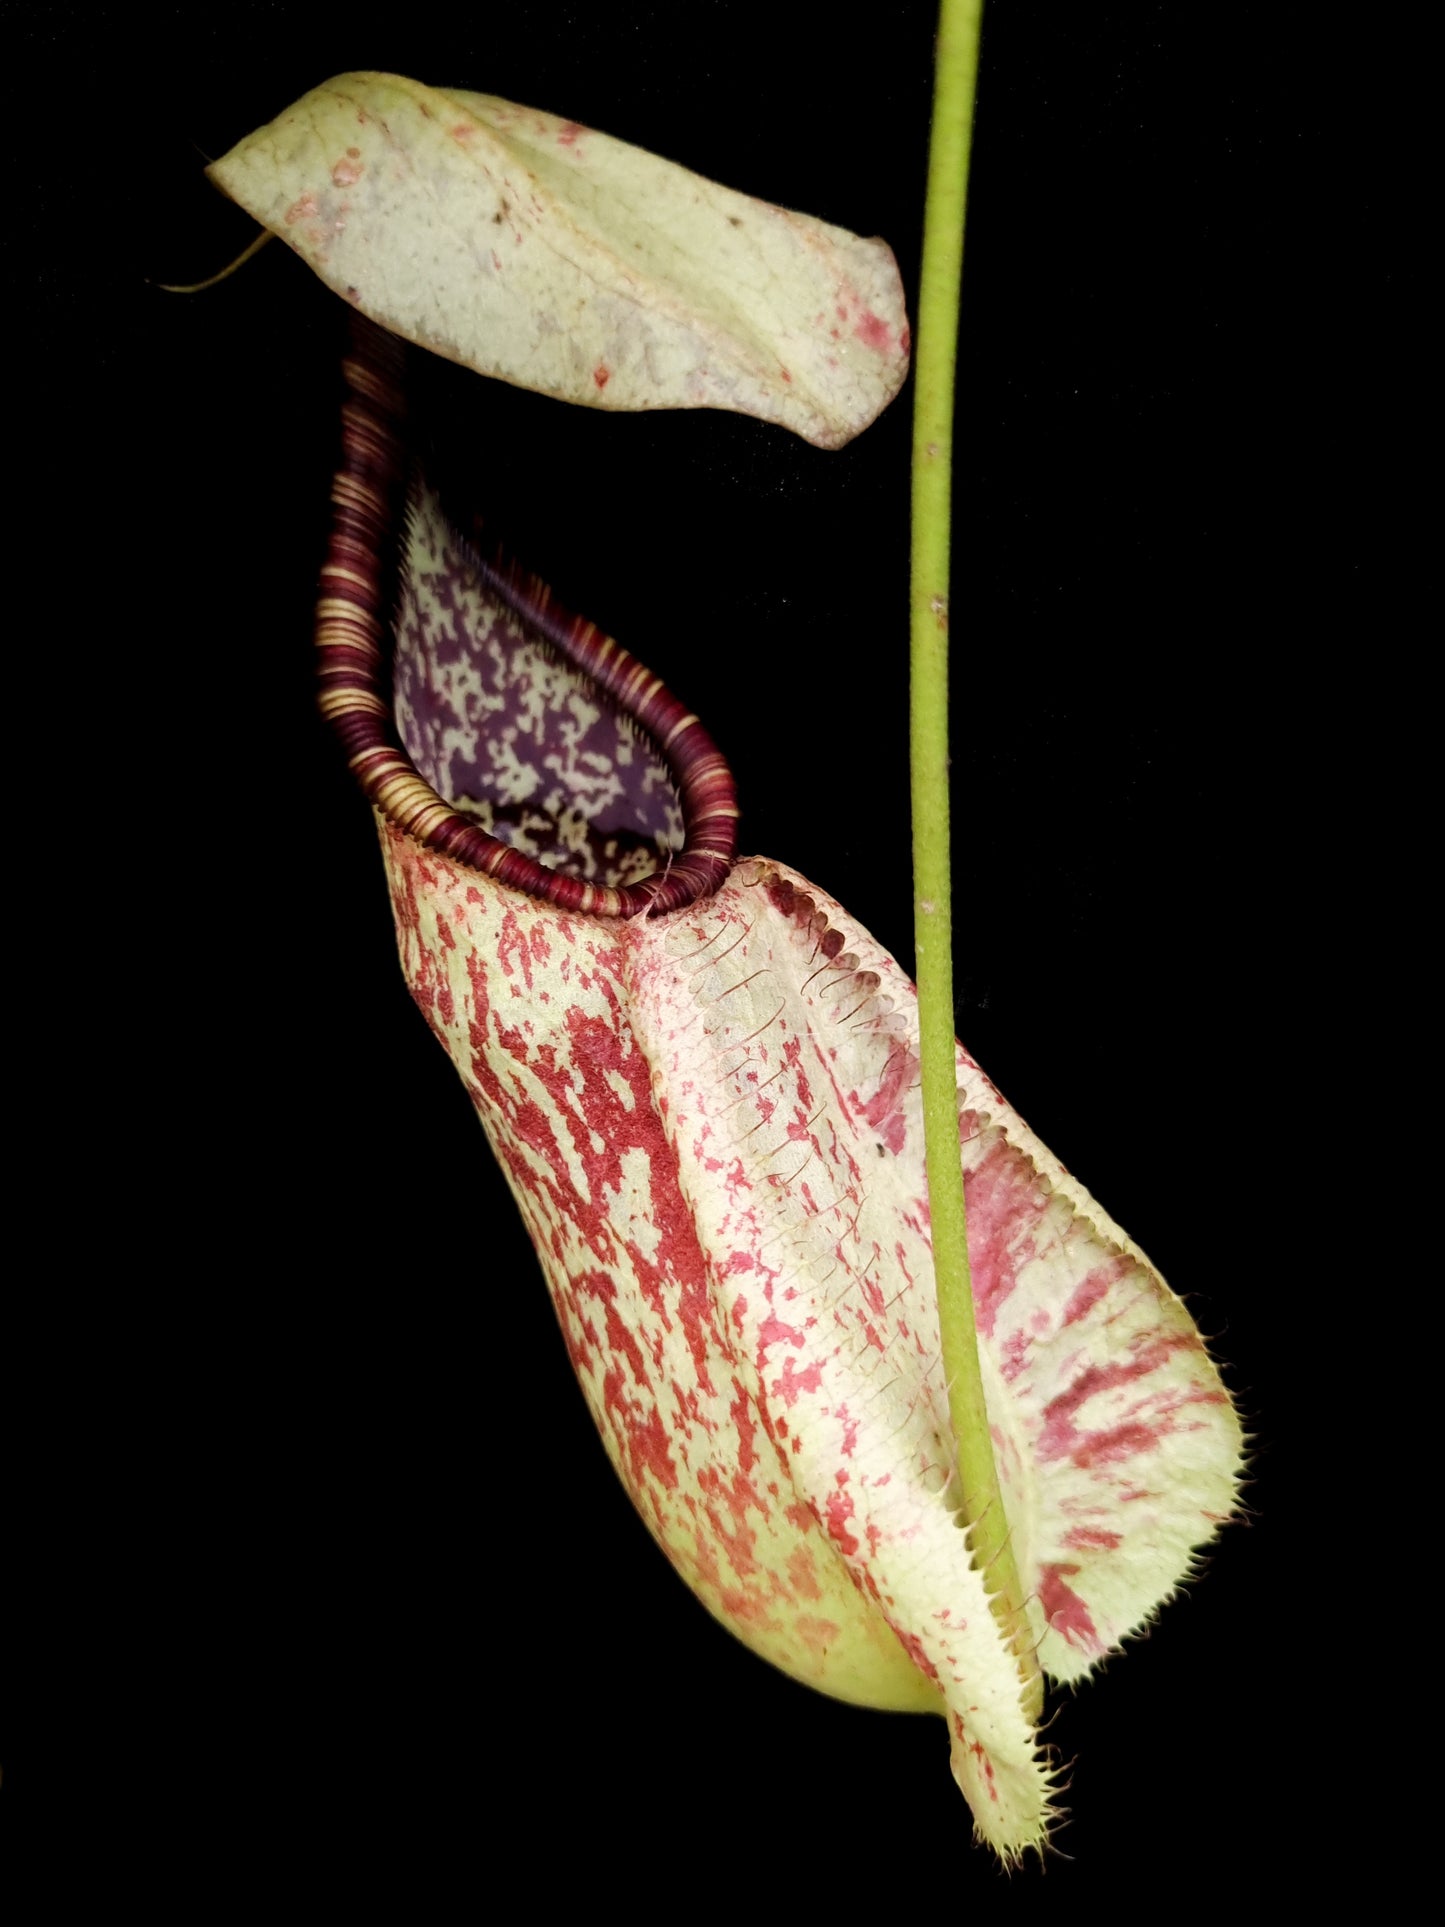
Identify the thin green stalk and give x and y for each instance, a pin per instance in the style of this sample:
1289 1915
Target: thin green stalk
955 75
213 280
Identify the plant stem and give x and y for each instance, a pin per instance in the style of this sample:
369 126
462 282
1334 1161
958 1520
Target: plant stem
955 75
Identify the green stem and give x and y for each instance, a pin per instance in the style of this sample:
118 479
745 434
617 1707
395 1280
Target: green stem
213 280
955 75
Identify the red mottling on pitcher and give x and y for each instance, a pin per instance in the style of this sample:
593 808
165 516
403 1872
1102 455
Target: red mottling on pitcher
699 1077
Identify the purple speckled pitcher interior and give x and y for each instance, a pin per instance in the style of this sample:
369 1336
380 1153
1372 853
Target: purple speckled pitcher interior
511 734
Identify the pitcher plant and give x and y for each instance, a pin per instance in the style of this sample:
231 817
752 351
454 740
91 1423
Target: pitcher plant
705 1083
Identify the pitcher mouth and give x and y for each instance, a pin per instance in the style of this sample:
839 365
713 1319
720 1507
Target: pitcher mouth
481 717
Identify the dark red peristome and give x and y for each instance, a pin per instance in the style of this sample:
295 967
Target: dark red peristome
354 642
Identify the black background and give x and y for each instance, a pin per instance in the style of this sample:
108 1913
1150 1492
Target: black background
326 1605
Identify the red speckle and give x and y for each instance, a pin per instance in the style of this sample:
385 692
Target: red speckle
784 373
775 1332
1061 1435
1119 1442
1065 1611
883 1112
873 332
568 133
620 1341
791 1386
741 1414
913 1646
511 943
348 170
741 1605
803 1573
1002 1220
905 340
301 210
601 376
640 1431
817 1634
839 1512
739 1541
1081 1537
1015 1355
1087 1293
